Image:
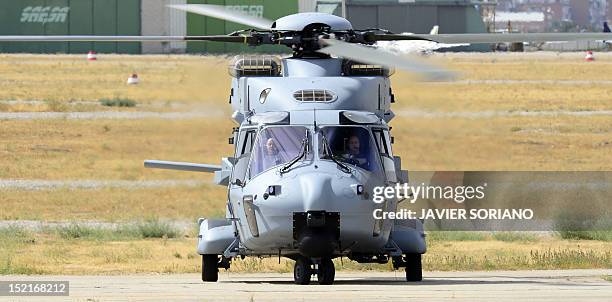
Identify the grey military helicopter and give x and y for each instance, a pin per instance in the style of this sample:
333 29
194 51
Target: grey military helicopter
313 140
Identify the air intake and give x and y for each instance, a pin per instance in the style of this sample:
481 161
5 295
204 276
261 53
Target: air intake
255 66
353 68
314 95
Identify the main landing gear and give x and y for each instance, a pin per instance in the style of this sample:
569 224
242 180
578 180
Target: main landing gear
305 267
211 264
413 265
414 268
210 268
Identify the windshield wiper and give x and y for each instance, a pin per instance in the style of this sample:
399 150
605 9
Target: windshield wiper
328 152
302 154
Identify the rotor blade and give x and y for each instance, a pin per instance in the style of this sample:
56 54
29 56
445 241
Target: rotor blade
222 12
220 38
497 38
378 57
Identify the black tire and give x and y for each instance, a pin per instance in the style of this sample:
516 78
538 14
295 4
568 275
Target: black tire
414 268
210 268
302 271
326 272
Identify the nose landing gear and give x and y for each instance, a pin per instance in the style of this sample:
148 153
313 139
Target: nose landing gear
305 267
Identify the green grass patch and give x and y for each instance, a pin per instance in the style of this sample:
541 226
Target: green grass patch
584 227
76 231
118 102
586 235
155 228
151 228
514 236
456 236
15 235
441 236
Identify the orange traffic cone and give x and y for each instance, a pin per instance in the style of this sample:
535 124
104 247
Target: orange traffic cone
92 56
133 79
589 56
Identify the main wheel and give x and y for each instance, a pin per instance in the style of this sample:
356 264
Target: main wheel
414 268
326 272
210 268
302 271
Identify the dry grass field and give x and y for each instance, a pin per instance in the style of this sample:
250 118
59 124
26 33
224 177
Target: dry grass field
67 78
114 204
108 149
47 253
113 149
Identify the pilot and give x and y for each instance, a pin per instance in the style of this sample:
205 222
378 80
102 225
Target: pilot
271 154
353 154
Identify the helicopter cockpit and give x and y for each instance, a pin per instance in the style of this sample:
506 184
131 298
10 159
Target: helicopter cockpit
285 147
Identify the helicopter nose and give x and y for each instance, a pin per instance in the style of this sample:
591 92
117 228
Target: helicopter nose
316 229
317 191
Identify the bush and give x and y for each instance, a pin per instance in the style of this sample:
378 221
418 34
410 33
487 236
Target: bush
154 228
585 227
118 102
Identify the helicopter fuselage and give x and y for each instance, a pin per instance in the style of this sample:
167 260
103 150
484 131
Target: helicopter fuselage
295 186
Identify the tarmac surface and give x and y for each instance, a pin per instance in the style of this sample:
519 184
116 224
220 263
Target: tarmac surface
557 285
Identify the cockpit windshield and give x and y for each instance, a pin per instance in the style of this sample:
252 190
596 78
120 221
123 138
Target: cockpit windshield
349 145
277 146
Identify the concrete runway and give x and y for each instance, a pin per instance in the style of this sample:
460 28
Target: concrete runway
560 285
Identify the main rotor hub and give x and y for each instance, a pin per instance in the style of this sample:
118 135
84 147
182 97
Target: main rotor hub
299 22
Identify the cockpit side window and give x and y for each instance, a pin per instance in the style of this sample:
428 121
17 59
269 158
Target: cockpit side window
388 142
243 153
381 143
247 142
278 145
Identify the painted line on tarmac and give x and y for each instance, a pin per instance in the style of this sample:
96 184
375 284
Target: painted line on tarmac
494 114
39 185
109 115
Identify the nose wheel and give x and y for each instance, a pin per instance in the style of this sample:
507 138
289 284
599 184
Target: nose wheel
326 272
304 268
302 271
